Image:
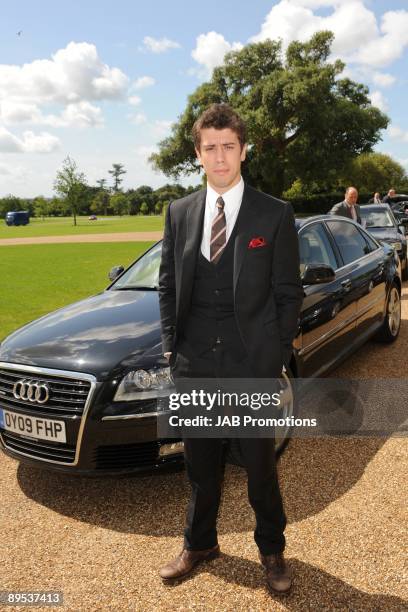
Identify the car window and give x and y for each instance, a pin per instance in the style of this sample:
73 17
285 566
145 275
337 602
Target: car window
144 272
378 218
373 246
350 241
315 247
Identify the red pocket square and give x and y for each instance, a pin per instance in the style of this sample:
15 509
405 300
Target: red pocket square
257 242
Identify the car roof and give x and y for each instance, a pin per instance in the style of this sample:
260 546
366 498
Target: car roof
301 221
384 206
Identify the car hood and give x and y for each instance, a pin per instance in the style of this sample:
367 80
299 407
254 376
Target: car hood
102 335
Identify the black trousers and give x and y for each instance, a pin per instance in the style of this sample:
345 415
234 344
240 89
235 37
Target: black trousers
203 459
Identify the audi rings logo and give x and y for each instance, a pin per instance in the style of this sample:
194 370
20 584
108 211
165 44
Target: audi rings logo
31 390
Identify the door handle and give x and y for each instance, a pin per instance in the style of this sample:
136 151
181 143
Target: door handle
346 284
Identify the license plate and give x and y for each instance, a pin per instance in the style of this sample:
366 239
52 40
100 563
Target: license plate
33 427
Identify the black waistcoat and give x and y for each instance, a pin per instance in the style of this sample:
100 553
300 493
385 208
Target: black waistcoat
211 320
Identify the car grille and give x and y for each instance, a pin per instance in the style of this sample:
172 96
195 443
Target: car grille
67 395
69 398
126 456
39 449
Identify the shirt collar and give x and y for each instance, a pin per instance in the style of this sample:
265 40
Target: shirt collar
231 198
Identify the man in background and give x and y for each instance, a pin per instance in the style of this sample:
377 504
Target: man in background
388 198
349 207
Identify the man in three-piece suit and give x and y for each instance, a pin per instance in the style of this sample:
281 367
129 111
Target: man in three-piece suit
230 296
349 207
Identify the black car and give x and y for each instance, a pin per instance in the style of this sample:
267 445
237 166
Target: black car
380 221
80 388
399 206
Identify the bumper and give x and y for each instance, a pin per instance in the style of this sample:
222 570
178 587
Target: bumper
101 439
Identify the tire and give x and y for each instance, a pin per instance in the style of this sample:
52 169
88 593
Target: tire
282 437
389 330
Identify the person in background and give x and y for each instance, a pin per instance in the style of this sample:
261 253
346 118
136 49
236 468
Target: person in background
376 199
349 207
388 198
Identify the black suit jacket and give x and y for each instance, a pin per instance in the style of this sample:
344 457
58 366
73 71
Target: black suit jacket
343 209
267 289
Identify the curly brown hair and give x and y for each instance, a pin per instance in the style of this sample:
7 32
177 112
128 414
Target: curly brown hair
219 116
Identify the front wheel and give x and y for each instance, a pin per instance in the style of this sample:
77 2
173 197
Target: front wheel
389 330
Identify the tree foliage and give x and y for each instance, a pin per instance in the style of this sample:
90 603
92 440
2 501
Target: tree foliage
116 172
71 185
374 172
304 121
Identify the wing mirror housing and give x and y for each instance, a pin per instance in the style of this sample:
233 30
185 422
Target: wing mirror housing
317 274
115 272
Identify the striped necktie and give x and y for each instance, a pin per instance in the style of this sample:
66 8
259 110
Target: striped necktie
218 232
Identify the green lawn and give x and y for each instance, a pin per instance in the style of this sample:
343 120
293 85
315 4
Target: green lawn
62 226
36 279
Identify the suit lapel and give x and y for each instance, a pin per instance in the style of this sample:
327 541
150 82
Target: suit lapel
243 230
194 225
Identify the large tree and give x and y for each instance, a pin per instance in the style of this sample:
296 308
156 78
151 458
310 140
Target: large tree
70 184
304 122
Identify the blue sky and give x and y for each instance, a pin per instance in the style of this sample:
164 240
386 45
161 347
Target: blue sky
103 81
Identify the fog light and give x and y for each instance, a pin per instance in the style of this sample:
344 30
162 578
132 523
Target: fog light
171 449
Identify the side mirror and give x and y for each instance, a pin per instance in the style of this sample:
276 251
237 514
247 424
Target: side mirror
115 272
316 274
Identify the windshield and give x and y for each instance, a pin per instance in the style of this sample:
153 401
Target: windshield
378 218
144 273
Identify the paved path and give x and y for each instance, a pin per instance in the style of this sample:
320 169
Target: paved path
118 237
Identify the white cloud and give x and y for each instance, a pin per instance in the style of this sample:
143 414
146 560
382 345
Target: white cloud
161 127
68 83
389 46
398 133
358 37
138 118
82 114
143 82
210 51
29 143
383 79
73 74
159 45
378 100
134 100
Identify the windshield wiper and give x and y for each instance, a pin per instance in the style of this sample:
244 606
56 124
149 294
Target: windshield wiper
136 287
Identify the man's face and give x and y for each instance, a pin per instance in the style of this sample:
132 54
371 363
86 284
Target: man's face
391 193
351 197
221 155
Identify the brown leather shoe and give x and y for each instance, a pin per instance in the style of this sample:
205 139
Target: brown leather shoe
186 561
279 576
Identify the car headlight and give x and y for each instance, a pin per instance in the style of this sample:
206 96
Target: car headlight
143 384
396 245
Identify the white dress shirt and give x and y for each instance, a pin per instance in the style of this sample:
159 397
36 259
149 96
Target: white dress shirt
232 203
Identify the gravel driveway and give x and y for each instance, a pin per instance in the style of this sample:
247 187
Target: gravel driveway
101 542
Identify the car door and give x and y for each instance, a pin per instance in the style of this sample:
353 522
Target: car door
363 261
329 309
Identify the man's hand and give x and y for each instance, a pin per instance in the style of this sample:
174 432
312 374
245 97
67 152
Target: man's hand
167 356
